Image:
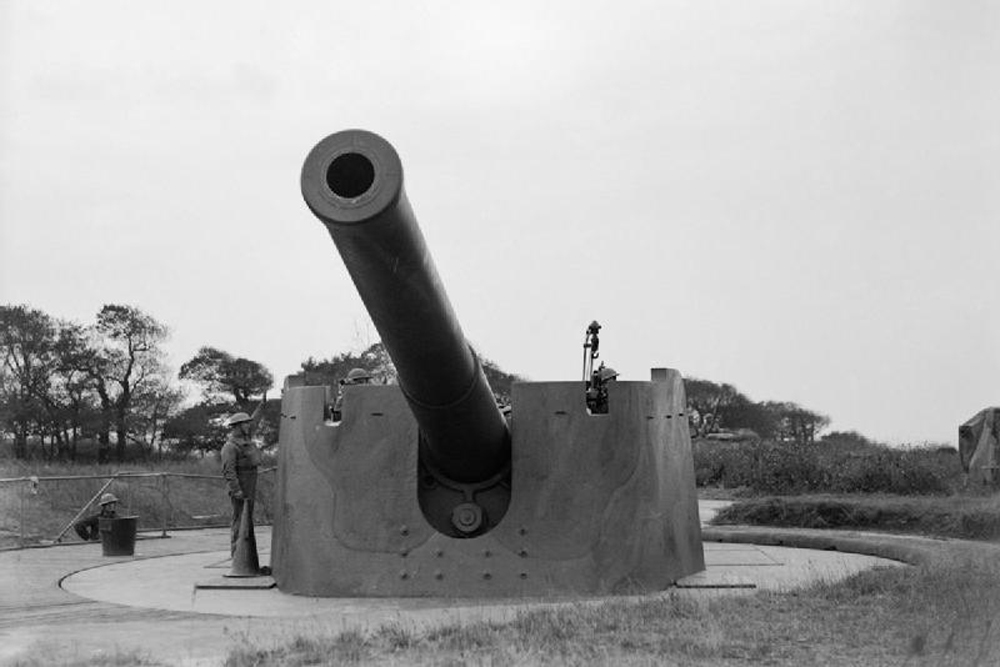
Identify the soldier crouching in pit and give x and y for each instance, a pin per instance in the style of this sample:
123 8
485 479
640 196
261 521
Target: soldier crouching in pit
240 458
90 528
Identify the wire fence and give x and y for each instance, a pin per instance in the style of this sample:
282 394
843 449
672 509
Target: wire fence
41 511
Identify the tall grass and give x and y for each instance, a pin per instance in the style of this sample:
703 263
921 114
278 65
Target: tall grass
941 613
764 467
47 655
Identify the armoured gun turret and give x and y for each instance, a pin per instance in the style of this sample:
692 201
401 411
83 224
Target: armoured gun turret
422 489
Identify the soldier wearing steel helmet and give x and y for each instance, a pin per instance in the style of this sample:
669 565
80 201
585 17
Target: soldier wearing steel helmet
355 376
240 458
89 528
597 391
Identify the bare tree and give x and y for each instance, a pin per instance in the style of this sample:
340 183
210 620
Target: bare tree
70 399
802 425
220 374
706 402
153 404
128 362
27 338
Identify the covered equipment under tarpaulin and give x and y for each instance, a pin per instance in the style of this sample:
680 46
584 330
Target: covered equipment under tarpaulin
979 446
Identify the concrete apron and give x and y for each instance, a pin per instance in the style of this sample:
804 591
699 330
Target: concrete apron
193 583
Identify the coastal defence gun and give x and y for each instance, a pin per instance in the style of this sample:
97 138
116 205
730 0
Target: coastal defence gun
424 488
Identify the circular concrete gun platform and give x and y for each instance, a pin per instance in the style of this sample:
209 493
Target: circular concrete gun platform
194 582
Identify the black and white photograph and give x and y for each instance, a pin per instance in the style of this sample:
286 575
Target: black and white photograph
521 333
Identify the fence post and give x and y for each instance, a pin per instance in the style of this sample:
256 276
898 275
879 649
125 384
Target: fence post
163 501
21 521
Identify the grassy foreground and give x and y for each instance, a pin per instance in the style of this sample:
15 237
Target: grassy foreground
941 613
47 657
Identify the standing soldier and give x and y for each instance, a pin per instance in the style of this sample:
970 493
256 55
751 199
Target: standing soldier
240 458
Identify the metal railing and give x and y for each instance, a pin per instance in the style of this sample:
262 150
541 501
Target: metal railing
48 507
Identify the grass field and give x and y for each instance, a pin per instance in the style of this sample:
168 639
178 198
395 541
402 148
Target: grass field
941 613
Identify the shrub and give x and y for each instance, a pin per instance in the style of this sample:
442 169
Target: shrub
784 468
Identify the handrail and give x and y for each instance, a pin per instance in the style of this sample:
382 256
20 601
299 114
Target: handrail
84 509
67 478
34 481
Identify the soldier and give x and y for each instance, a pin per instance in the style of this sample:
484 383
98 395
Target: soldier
240 458
597 392
354 376
89 529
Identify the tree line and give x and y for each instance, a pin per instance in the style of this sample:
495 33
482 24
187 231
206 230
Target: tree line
721 408
63 383
107 382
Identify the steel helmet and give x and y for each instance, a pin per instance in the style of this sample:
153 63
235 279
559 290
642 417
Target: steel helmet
107 499
357 374
605 373
238 418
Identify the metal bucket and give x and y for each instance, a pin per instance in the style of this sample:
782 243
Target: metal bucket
118 535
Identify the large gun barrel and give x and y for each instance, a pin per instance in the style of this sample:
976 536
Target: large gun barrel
353 182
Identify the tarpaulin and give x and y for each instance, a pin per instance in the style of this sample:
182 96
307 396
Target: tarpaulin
978 444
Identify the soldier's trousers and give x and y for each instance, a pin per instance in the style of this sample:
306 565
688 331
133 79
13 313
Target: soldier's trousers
234 535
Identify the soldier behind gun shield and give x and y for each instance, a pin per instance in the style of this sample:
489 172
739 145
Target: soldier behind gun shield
354 376
597 391
596 379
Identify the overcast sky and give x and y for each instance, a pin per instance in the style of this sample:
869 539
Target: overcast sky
797 198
